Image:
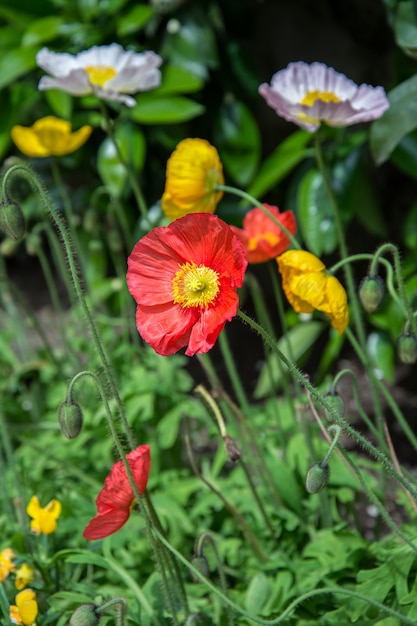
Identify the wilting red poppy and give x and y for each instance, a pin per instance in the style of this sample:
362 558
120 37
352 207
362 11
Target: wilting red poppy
262 238
116 498
184 279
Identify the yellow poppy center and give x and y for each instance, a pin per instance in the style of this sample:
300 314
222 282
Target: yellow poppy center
195 285
99 74
325 96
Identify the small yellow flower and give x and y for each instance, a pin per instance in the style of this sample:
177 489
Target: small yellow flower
25 610
6 563
308 286
49 136
24 576
193 171
43 519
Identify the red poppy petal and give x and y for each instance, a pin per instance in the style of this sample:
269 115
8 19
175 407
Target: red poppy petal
165 328
140 463
103 525
117 492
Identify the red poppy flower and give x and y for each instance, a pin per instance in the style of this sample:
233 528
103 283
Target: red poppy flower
262 238
184 279
115 499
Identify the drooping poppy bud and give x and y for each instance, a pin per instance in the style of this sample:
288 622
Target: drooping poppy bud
70 417
85 615
407 348
317 477
336 402
371 292
12 221
201 564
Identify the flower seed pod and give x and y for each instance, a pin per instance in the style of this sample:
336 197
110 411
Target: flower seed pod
317 477
70 417
12 221
407 348
232 449
371 292
85 615
201 564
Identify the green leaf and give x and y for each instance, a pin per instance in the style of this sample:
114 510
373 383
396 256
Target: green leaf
382 353
134 20
60 102
405 24
399 120
15 64
238 140
293 345
280 163
112 172
258 593
42 30
176 79
132 145
315 214
165 110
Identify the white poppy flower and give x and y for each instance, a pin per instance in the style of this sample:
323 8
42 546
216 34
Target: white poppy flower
110 72
310 94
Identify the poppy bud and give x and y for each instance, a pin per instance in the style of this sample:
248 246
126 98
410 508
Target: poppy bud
317 477
8 247
407 348
232 449
371 292
85 615
33 244
70 419
12 221
200 563
336 402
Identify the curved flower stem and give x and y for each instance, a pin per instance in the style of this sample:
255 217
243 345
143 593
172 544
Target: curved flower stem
108 127
294 604
199 551
26 172
254 202
336 429
247 531
389 280
362 441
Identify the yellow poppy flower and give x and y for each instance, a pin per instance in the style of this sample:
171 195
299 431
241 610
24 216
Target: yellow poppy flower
25 610
43 519
193 171
24 576
6 563
309 287
49 136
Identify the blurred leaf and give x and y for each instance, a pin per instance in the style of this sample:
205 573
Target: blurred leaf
293 345
399 120
258 593
360 199
405 155
410 228
134 20
132 145
238 141
315 214
112 172
382 354
168 110
405 24
16 63
60 102
43 30
275 167
176 79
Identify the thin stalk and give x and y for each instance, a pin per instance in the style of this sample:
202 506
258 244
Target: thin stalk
316 395
233 372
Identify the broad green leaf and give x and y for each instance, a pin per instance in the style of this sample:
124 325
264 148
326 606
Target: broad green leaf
176 79
315 214
280 163
112 172
42 30
399 120
405 24
258 593
382 354
60 102
165 110
134 20
16 63
405 155
238 141
132 145
293 345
